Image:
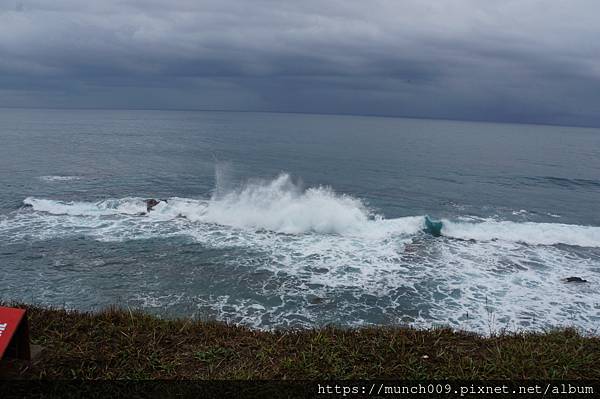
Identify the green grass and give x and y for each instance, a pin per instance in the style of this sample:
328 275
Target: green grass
121 344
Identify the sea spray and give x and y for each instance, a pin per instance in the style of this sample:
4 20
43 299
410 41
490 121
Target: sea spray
224 181
281 205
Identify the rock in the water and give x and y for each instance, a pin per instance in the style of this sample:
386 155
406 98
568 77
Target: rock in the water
317 300
575 280
151 203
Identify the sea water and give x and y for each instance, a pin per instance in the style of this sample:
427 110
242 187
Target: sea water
295 221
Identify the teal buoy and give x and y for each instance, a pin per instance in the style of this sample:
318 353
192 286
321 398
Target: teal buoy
433 227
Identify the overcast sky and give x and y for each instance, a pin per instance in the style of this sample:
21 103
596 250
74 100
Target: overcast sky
509 60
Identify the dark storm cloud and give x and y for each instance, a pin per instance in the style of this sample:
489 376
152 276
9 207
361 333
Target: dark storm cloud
525 60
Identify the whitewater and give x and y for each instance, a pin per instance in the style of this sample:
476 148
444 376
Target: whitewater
330 243
299 221
283 207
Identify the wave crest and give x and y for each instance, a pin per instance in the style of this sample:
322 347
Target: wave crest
524 232
58 178
282 206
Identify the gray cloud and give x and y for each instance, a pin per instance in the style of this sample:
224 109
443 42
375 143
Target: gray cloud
524 61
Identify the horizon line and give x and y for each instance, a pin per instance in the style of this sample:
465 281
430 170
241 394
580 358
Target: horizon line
300 113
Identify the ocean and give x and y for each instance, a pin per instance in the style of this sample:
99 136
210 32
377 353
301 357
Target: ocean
275 220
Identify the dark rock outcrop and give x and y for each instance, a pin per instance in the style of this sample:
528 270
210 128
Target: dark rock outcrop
151 203
575 280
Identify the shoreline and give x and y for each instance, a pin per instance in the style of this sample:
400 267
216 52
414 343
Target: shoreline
126 344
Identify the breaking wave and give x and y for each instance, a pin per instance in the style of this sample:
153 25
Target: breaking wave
524 232
281 206
124 206
292 254
278 205
58 178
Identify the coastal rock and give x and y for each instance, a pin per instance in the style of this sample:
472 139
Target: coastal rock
575 280
317 300
151 203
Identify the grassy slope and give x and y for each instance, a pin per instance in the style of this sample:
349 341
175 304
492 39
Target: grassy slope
120 344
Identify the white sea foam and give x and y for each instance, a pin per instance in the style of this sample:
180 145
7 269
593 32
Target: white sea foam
315 243
282 207
127 206
58 178
525 232
277 205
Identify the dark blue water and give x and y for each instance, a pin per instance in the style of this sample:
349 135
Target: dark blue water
285 220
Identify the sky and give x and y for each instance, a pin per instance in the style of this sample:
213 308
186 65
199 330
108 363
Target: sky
529 61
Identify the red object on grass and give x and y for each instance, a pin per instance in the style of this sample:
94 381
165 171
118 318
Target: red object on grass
14 334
